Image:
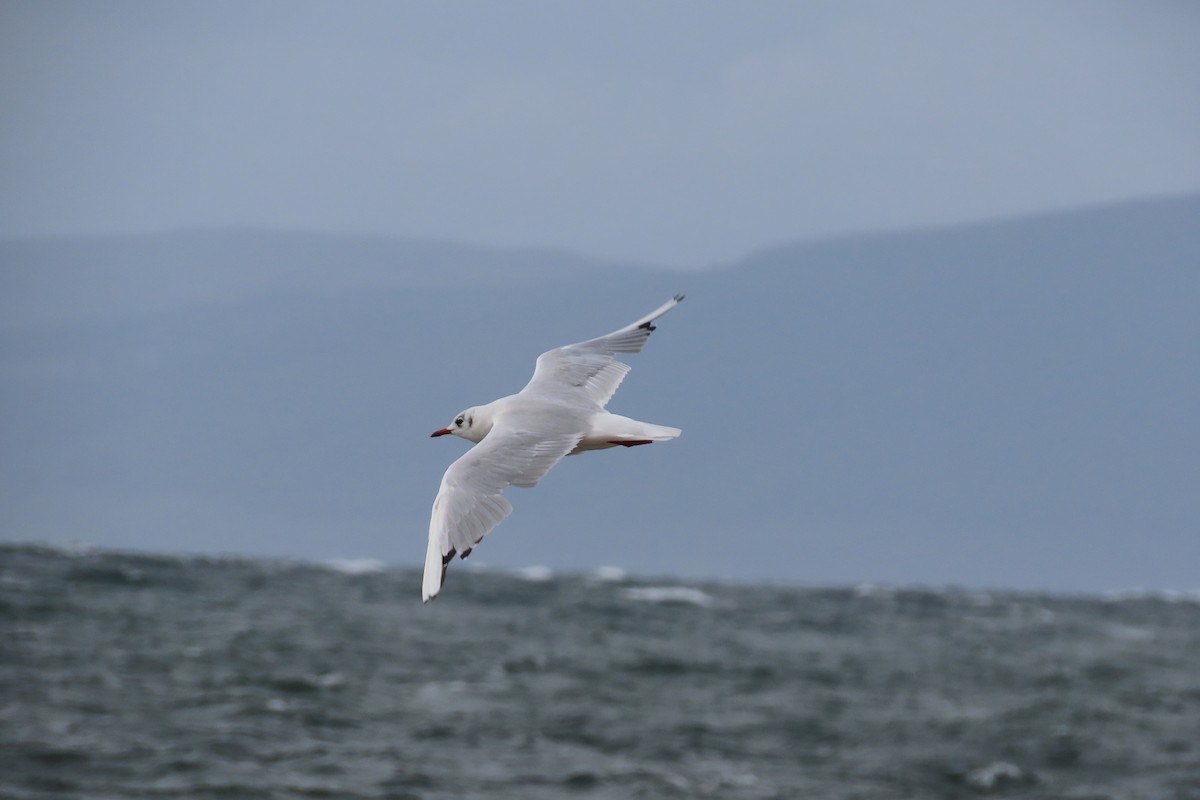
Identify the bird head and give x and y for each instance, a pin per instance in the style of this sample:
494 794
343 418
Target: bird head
472 425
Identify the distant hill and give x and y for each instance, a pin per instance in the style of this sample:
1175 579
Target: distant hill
101 277
1007 404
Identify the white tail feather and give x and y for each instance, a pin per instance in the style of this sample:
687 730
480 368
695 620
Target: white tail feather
659 433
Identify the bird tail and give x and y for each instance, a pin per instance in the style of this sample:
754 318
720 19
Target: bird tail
614 426
659 433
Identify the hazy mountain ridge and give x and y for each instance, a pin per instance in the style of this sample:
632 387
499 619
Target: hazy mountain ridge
1008 402
101 277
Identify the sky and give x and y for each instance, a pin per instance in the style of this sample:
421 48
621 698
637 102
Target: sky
671 133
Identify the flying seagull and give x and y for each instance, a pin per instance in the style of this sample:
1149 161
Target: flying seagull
518 438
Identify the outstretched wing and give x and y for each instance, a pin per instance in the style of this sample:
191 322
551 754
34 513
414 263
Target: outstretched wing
588 371
469 503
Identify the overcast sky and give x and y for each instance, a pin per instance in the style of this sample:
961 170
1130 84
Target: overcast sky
669 132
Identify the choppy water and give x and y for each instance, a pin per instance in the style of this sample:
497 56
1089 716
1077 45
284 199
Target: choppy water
135 676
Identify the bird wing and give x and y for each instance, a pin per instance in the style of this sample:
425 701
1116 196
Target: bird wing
589 371
469 504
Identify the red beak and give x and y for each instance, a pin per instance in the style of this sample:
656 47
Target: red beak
440 432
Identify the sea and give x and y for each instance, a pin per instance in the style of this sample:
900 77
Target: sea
129 675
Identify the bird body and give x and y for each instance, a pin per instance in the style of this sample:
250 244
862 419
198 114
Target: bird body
519 438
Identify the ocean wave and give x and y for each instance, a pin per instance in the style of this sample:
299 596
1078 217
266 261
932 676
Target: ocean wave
1161 595
266 677
997 775
608 575
669 594
534 574
355 566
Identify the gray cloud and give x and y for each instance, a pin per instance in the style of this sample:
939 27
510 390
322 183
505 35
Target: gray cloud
675 132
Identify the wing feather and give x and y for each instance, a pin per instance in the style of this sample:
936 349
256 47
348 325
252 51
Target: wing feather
589 370
469 503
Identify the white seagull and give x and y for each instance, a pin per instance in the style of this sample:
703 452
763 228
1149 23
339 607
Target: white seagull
519 438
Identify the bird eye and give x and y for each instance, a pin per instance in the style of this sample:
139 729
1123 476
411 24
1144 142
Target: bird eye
458 422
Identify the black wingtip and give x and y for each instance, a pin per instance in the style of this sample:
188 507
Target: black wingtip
649 326
679 297
446 559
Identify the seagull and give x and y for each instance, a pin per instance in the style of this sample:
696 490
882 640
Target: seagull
518 438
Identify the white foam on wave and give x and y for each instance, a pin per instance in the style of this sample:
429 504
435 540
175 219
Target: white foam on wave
1128 633
669 594
534 574
331 680
73 548
608 575
875 590
995 776
448 697
356 566
1164 595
